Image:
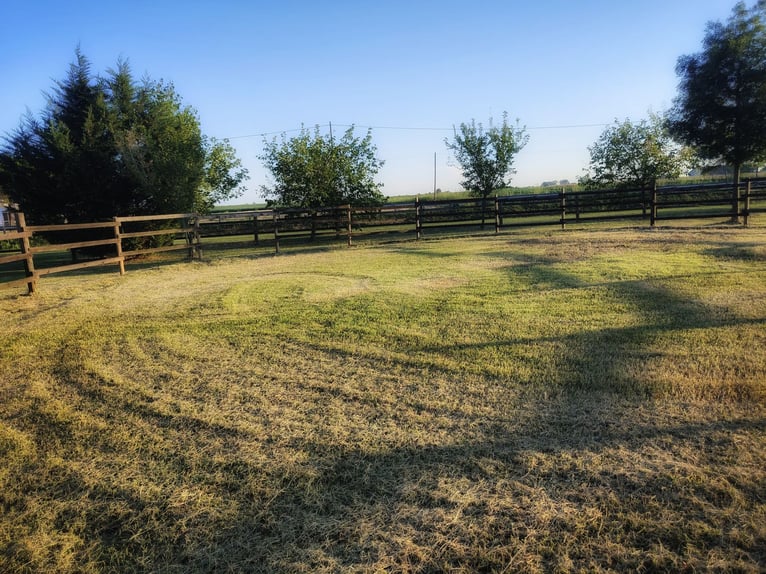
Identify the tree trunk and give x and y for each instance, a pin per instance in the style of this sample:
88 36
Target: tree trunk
735 194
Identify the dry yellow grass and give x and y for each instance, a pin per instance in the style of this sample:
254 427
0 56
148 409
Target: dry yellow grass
580 401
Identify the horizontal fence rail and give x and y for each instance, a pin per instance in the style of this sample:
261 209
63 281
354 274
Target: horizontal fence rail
124 238
71 247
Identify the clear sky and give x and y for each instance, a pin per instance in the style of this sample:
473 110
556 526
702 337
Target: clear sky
411 70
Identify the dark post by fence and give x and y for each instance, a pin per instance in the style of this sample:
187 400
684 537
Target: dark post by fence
191 224
497 215
746 211
418 223
276 230
563 198
26 249
255 227
653 206
197 240
348 222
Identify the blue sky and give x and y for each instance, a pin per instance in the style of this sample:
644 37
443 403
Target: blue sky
410 69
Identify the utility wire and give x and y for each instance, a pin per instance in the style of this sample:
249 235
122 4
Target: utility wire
411 128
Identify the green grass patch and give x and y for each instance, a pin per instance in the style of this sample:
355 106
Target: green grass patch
535 402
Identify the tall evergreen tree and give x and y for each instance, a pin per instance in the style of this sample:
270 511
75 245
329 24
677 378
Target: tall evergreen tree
107 146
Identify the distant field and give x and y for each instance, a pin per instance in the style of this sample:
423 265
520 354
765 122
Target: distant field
541 401
462 194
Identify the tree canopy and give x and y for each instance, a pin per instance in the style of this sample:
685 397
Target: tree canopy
486 156
634 155
721 106
110 145
314 169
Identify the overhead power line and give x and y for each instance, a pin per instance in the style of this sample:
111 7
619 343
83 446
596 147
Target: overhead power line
411 128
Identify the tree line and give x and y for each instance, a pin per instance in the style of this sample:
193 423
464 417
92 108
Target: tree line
109 145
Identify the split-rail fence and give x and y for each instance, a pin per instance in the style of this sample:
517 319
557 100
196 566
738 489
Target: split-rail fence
124 238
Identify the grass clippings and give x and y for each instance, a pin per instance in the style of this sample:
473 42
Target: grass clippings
580 401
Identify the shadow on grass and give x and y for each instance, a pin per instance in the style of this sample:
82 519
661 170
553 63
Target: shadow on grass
522 495
748 252
565 484
583 478
480 506
440 498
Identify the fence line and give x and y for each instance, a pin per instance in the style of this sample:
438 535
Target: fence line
109 250
138 235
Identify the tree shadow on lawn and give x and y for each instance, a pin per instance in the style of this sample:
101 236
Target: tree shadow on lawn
613 359
567 493
560 482
749 252
591 474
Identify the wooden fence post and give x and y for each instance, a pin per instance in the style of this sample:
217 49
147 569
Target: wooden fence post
348 220
26 249
255 227
418 223
563 197
118 244
276 230
191 221
653 206
746 211
196 236
497 215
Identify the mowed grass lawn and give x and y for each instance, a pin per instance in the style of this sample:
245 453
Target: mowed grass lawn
533 402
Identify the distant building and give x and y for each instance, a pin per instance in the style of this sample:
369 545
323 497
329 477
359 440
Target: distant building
5 210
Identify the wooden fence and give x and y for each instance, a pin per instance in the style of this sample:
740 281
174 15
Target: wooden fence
110 243
294 223
498 213
126 237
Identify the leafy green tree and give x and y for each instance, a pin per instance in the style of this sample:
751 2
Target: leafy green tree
634 155
486 156
721 106
107 146
314 170
223 172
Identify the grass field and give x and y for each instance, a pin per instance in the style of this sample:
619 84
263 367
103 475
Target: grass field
540 401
